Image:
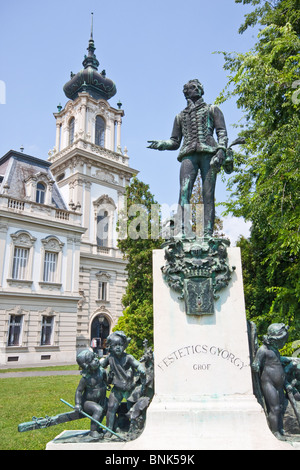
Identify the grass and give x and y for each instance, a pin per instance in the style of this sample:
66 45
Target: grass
25 397
25 369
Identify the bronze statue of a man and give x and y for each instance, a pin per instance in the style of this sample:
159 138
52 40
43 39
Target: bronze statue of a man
199 151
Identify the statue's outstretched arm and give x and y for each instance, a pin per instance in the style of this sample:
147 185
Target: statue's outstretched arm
162 145
173 143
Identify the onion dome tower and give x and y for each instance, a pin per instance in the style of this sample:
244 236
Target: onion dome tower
89 79
92 171
88 118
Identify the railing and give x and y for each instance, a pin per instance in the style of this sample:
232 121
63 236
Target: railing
18 205
103 250
15 204
61 214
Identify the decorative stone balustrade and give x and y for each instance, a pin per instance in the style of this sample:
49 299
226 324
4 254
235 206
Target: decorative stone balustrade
31 208
94 149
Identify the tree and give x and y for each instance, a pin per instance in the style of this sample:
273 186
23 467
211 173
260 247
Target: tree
141 224
278 12
265 188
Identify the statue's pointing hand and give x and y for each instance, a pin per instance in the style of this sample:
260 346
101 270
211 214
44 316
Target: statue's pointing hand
156 144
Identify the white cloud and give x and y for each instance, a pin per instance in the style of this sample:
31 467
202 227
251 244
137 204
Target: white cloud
233 227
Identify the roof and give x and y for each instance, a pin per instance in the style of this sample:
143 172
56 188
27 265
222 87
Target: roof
17 167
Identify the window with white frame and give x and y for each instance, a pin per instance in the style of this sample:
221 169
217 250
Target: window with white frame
47 330
103 279
52 259
71 130
15 330
100 131
104 208
20 263
50 266
40 193
102 228
102 290
21 256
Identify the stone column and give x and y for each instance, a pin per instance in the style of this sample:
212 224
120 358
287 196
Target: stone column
83 120
57 141
3 233
70 267
119 122
112 135
86 209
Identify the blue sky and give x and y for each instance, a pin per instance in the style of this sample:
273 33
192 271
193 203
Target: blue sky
148 48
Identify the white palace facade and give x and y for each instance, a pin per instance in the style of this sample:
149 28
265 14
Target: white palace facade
62 276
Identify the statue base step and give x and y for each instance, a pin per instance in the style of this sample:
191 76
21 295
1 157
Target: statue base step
202 423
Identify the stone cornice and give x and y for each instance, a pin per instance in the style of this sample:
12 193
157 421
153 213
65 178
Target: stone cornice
81 178
42 222
39 295
92 154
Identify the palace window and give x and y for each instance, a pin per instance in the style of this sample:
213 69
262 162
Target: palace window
47 330
21 256
104 210
20 263
103 286
50 266
100 131
15 329
71 130
102 223
102 290
52 260
40 193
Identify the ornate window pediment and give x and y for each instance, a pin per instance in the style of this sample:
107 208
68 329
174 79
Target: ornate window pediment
39 187
52 243
105 201
103 276
23 239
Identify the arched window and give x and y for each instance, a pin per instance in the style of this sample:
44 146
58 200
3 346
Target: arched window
71 130
40 193
99 131
99 332
102 225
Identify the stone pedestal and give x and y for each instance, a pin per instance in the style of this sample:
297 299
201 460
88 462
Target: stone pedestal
203 383
203 386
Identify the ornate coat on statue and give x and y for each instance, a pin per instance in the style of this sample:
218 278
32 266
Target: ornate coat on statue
196 125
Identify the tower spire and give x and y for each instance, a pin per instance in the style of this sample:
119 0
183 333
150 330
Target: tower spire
91 60
92 25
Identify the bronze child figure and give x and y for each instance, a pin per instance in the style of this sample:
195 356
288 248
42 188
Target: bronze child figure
267 364
123 367
90 395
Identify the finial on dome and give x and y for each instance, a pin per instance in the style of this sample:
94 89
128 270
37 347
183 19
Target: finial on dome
89 80
91 60
92 26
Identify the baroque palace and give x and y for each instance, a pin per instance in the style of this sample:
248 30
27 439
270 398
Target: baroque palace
62 276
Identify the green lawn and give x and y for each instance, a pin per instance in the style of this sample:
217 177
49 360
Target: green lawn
25 397
25 369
